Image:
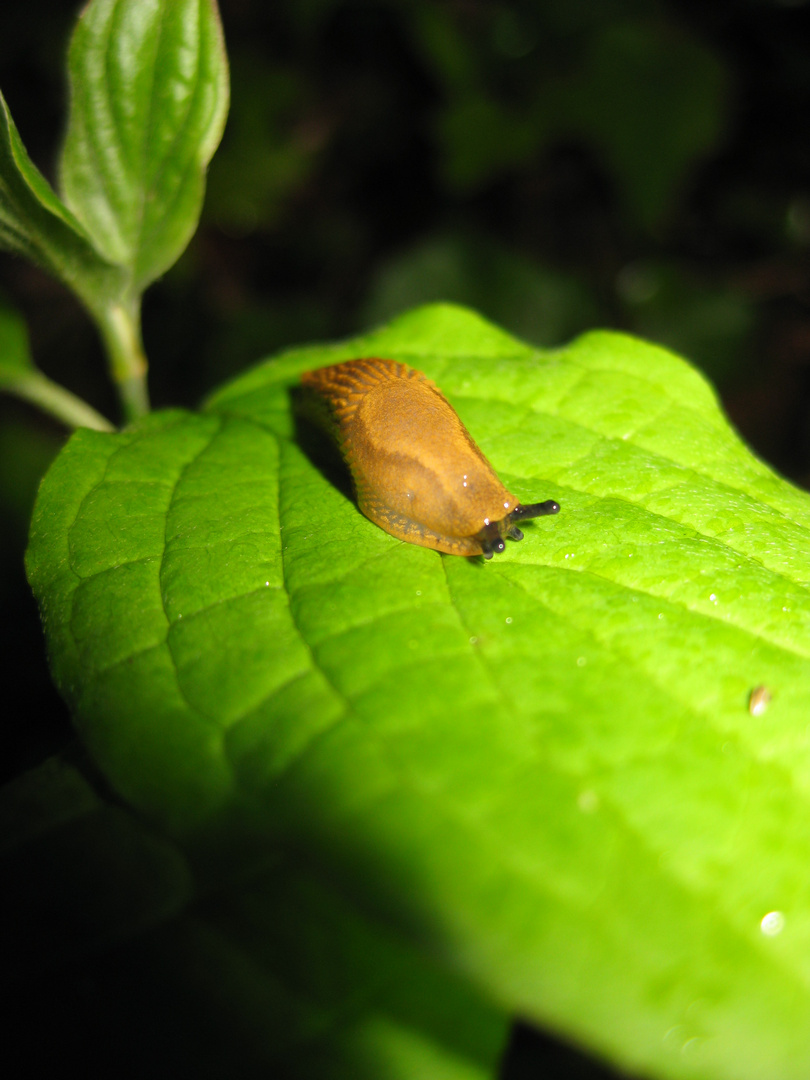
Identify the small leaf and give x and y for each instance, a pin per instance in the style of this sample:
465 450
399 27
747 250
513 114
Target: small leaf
541 770
19 376
35 223
149 97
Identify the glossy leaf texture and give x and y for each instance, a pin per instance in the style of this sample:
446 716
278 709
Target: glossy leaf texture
149 97
35 223
111 946
541 770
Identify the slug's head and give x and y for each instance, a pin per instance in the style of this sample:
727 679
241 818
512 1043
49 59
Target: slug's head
492 536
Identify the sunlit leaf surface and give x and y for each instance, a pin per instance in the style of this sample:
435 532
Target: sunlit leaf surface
542 770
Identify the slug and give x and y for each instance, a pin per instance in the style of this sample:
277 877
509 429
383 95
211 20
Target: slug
417 472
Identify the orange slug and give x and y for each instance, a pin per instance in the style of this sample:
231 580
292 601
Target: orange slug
417 472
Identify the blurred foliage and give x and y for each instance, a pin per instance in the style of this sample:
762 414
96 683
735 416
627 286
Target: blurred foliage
714 322
556 163
267 157
648 99
536 302
373 143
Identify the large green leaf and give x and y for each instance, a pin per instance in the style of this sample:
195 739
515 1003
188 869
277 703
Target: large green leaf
543 769
149 97
107 947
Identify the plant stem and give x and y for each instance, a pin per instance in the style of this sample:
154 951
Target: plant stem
59 402
120 328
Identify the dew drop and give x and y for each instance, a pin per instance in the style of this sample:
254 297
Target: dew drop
772 924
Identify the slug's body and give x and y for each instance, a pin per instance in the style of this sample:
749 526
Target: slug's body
417 472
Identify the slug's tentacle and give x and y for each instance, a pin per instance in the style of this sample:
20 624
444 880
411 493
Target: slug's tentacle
417 472
520 513
492 547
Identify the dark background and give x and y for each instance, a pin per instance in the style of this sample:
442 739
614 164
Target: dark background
557 164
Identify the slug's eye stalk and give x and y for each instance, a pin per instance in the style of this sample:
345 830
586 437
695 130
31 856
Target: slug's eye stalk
520 513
